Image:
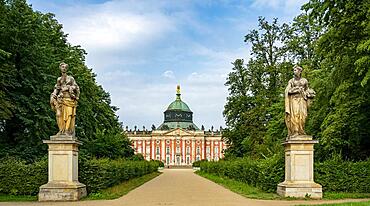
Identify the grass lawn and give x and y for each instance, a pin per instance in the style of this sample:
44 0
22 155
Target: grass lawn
240 187
366 203
17 198
255 193
121 189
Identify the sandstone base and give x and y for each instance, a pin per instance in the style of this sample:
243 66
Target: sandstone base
300 190
63 182
62 192
299 181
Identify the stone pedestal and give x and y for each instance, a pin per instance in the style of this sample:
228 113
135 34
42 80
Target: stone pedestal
63 182
299 180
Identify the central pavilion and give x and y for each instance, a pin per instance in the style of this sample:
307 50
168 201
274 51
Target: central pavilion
178 141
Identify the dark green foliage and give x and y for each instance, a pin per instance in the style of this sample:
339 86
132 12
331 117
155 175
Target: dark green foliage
137 157
340 116
264 174
32 45
344 176
254 90
19 178
331 41
104 173
197 163
160 163
334 175
108 144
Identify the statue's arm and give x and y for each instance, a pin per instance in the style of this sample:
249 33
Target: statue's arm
292 89
56 89
77 91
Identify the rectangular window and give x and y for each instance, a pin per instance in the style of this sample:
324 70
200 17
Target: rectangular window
167 150
157 151
188 150
216 150
168 160
187 160
208 149
198 150
177 149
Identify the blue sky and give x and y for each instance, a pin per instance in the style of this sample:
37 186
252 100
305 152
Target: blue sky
140 50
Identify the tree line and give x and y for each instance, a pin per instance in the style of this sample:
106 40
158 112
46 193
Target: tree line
331 41
32 44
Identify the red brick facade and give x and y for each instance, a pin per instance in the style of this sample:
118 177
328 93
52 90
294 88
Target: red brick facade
178 146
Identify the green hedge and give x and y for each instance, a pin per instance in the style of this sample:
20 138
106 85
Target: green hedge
264 174
197 163
343 176
333 175
103 173
19 178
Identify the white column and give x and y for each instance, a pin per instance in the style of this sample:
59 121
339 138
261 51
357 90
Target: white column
192 151
173 152
135 146
143 145
212 148
152 152
202 148
163 152
183 153
221 149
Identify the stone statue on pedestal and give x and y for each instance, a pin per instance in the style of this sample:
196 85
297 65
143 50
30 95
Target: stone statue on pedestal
299 147
63 101
297 100
63 184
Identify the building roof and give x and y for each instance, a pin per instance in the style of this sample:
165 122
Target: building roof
178 104
178 115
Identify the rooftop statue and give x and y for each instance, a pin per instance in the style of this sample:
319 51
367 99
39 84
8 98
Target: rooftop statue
63 101
297 99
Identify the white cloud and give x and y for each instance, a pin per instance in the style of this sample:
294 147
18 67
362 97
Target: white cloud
114 25
130 42
169 74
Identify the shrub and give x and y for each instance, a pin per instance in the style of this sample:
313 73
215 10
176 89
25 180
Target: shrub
343 176
197 163
99 174
160 163
333 175
19 178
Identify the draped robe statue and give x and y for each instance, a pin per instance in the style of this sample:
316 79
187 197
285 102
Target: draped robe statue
63 101
297 99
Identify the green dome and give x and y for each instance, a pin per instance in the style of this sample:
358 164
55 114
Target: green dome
178 115
179 105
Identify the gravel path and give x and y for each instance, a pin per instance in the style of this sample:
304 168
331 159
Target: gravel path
178 187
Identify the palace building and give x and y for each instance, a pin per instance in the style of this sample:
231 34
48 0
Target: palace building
178 141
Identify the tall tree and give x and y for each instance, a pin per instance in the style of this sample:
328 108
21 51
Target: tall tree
254 88
342 122
32 45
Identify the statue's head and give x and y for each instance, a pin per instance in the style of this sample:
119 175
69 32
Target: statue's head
63 67
297 70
